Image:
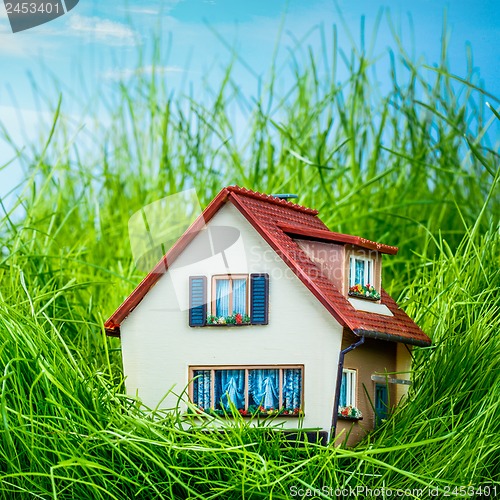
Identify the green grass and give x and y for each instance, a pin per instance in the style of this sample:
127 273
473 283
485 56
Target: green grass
413 167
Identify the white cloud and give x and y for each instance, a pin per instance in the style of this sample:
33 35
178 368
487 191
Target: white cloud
91 29
12 44
160 9
143 11
103 30
120 74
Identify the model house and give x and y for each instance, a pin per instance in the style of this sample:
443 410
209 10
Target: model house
259 308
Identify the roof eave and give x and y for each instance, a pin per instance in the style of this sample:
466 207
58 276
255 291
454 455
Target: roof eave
391 337
112 331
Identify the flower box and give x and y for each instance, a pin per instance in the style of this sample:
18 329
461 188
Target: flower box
271 412
367 292
349 413
232 320
254 411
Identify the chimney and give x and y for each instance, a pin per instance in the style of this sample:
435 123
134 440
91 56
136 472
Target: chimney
285 196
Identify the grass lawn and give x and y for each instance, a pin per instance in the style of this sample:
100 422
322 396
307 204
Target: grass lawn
415 167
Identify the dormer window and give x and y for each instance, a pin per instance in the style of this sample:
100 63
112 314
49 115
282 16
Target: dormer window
360 271
364 282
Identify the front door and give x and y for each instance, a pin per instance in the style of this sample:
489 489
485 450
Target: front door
381 403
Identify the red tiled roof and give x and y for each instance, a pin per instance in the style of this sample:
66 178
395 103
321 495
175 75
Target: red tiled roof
276 220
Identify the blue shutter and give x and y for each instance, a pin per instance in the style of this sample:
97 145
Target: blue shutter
197 300
259 299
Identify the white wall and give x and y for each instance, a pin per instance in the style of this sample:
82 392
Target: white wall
158 345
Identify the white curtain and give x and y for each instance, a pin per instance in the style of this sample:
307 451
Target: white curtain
292 388
230 386
222 297
360 273
240 296
263 388
201 388
343 391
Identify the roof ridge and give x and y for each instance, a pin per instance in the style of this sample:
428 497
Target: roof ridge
271 199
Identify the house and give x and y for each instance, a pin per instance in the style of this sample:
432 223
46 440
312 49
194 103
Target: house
261 305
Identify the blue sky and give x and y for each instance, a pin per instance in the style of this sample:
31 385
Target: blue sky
97 42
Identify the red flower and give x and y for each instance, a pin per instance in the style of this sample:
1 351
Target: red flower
238 318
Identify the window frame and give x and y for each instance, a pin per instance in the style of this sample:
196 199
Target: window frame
369 267
247 368
229 277
352 384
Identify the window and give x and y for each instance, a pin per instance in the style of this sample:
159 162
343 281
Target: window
360 271
229 295
259 389
348 388
235 299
